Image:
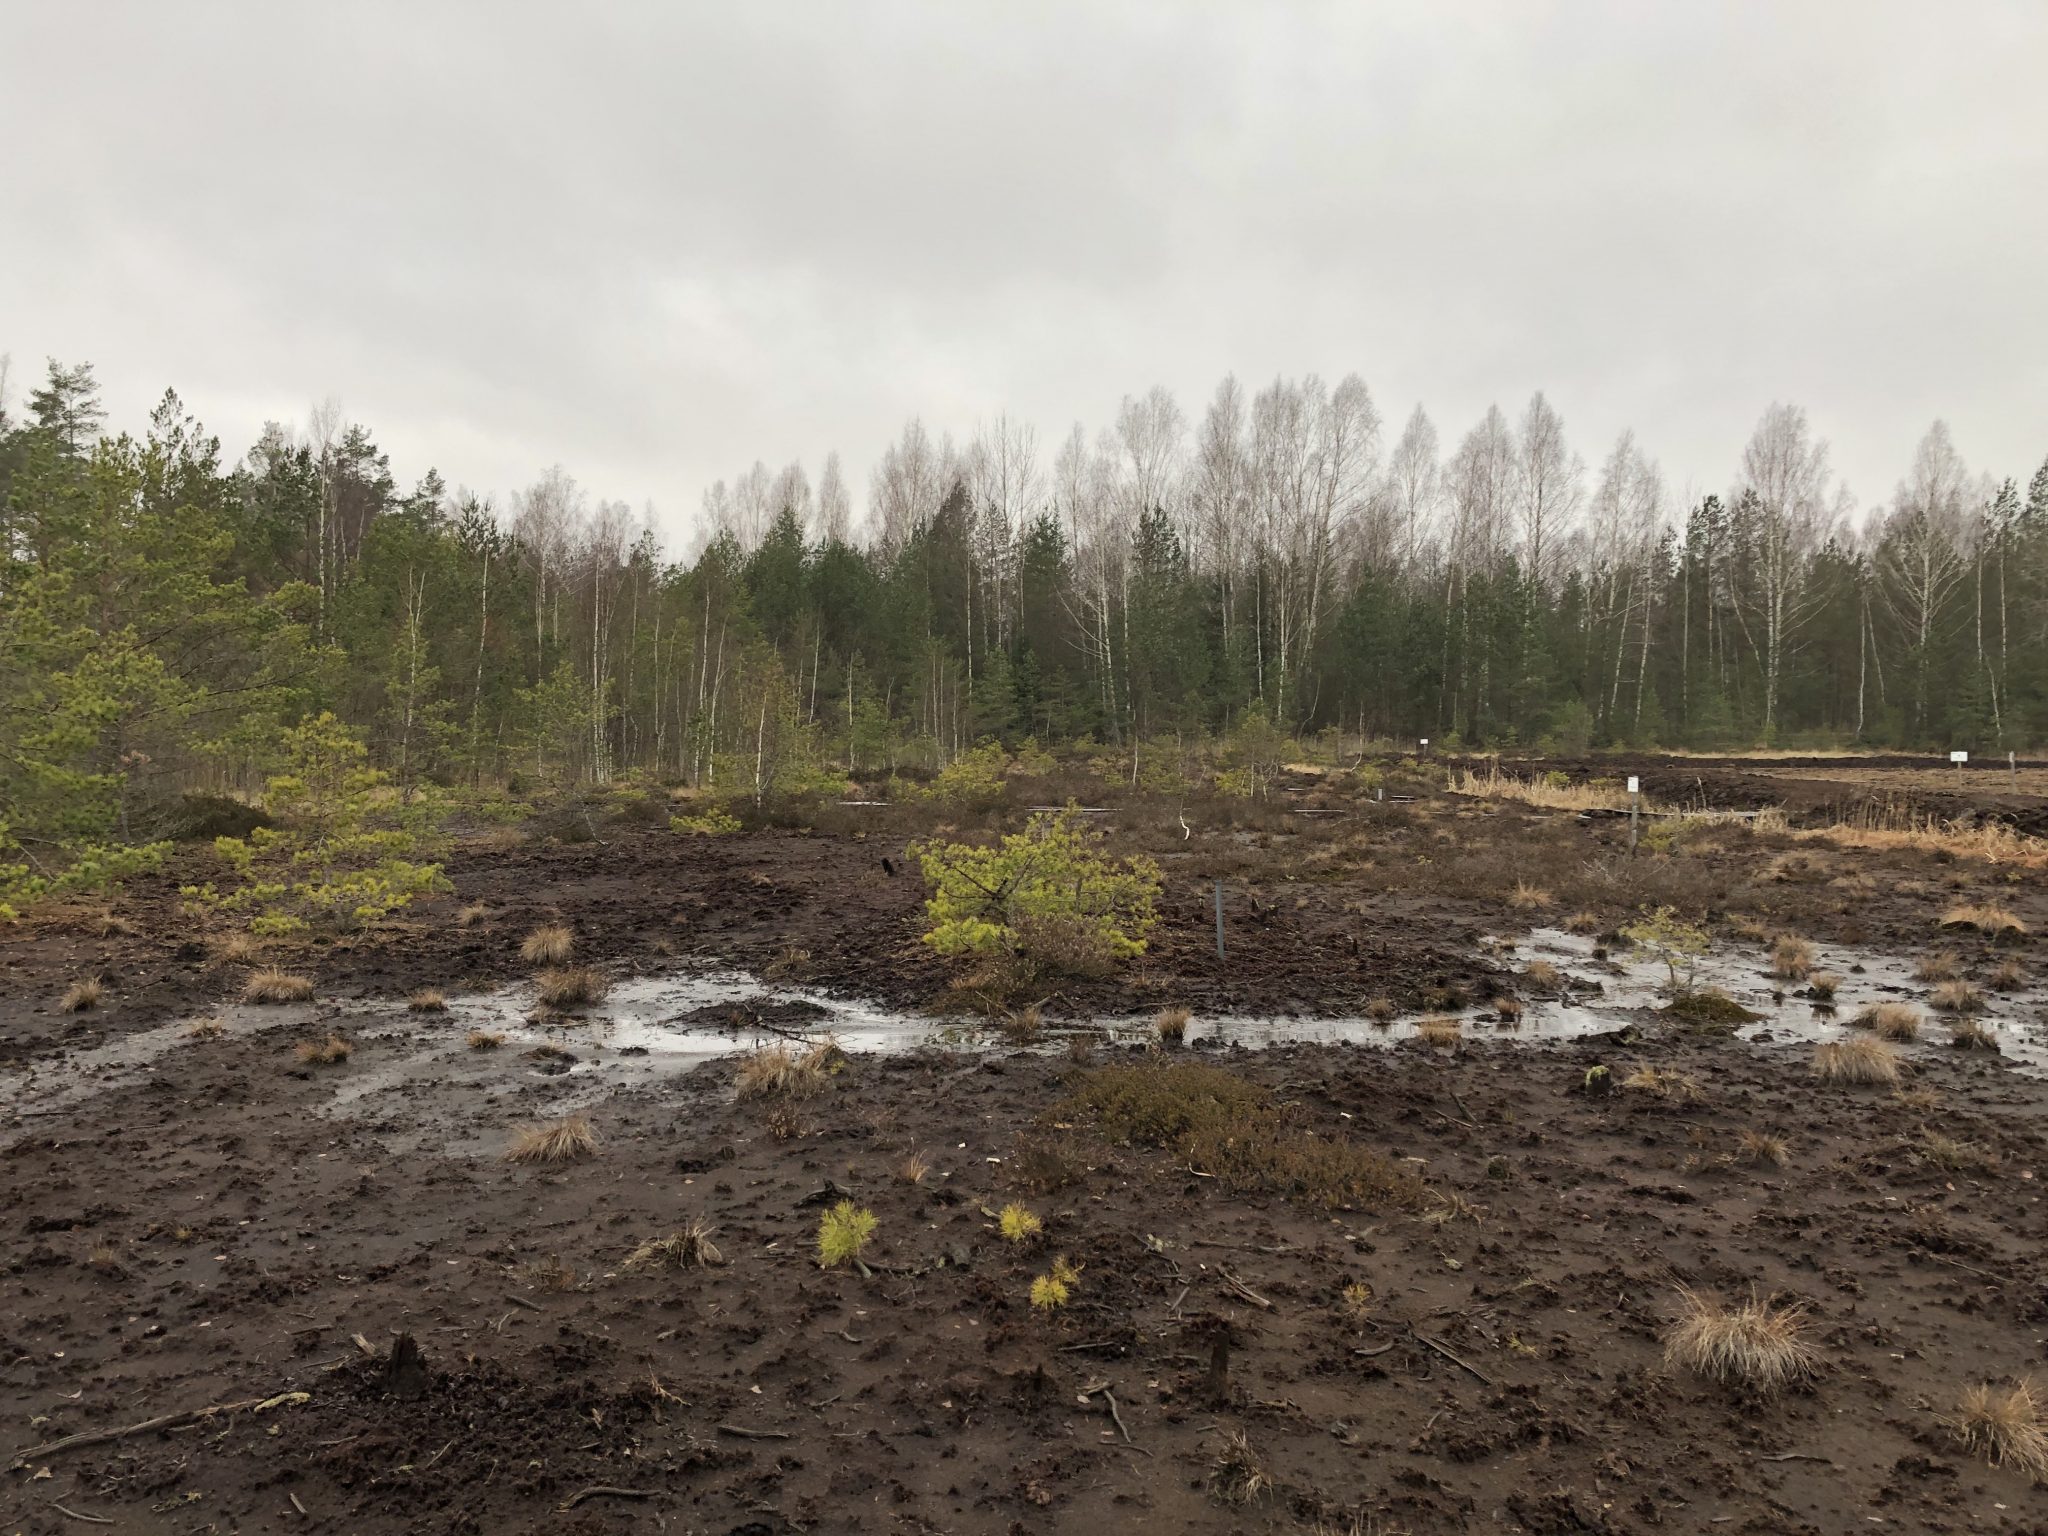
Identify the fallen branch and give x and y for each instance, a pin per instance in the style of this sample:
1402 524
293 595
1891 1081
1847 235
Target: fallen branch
1463 1365
105 1436
744 1433
604 1491
76 1515
1243 1290
1797 1456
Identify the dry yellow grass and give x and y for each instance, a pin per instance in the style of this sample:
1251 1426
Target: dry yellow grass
549 944
324 1053
1508 1009
82 995
1381 1010
688 1247
1526 897
1753 1146
1942 965
2006 1426
428 1000
1239 1475
1956 997
471 915
1583 923
483 1040
1822 986
1758 1345
1440 1030
2009 976
235 949
1791 957
1890 1021
1495 785
1679 1087
1891 827
1992 921
559 1141
205 1029
1952 1153
1862 1060
1542 974
1972 1034
1172 1025
271 985
915 1168
781 1071
571 987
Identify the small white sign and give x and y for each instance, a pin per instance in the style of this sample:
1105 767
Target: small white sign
1959 757
1635 784
1425 741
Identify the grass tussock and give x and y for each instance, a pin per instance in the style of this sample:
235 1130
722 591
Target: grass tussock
208 1028
82 995
471 915
1542 975
1754 1146
1439 1030
1495 785
271 985
1822 986
1585 924
559 1141
1861 1060
1529 898
549 944
2007 1426
688 1247
1890 1021
428 1000
1676 1087
235 949
1508 1009
1759 1346
2010 976
1952 1154
1993 922
786 1071
324 1053
1381 1010
1956 997
1972 1034
915 1168
1216 1122
483 1040
1942 965
1791 958
571 987
1239 1475
1171 1027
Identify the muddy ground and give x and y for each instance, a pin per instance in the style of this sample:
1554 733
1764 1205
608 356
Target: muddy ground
228 1225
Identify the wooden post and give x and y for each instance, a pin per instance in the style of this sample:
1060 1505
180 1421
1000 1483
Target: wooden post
2012 762
1219 919
1635 805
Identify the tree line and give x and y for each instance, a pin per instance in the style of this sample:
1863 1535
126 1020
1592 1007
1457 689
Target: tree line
1285 558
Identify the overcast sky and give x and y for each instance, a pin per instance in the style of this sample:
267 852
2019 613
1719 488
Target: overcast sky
657 242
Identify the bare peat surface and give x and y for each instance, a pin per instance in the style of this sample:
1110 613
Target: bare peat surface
336 1305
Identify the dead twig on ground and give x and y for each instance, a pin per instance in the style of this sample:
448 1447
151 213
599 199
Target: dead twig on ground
604 1491
161 1421
1463 1365
79 1514
1243 1290
743 1433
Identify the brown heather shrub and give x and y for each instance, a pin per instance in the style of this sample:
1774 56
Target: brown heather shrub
1219 1123
1972 1034
271 985
428 1000
1439 1030
1791 958
1862 1060
558 1141
235 949
324 1053
1679 1087
1822 986
571 987
1171 1027
2010 976
689 1247
1758 1345
1952 1154
1890 1021
549 944
1942 965
1239 1475
1585 924
471 915
2006 1426
1508 1009
1381 1010
83 995
208 1028
1542 975
1956 997
483 1040
1526 897
1753 1146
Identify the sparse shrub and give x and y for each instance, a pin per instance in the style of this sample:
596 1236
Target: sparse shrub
1678 944
1508 1008
82 995
471 915
1753 1146
1956 997
271 985
783 1071
1217 1122
1381 1010
1822 986
1172 1025
1939 966
324 1053
428 1000
235 949
1526 897
1972 1034
1045 1165
1951 1153
975 777
1053 1289
843 1232
1045 891
1585 924
1890 1021
1239 1475
483 1040
1861 1060
1019 1224
1791 958
1355 1302
915 1168
688 1247
2006 1426
1679 1087
571 987
1992 921
559 1141
549 944
1759 1345
208 1028
1439 1030
714 822
1542 975
2010 976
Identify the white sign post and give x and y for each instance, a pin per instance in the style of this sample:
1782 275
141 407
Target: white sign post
1959 758
1635 803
